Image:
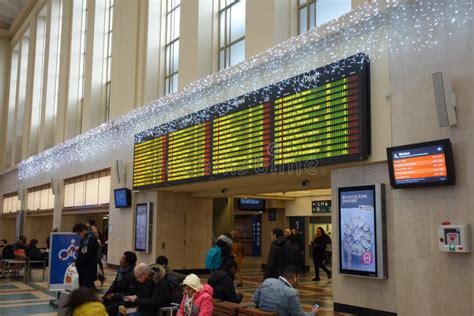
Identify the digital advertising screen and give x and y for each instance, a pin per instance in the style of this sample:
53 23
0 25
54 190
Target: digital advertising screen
143 224
422 164
360 229
122 198
317 118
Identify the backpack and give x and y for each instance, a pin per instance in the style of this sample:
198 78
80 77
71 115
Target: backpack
176 289
214 258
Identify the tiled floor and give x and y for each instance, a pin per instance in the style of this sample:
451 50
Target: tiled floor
18 298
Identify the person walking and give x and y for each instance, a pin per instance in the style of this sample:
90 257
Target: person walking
238 253
86 262
277 258
319 245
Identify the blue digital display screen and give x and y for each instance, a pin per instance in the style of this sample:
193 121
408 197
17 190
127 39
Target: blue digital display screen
251 204
122 198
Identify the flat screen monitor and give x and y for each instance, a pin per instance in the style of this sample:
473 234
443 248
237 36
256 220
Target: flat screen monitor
362 251
422 164
251 204
143 226
122 198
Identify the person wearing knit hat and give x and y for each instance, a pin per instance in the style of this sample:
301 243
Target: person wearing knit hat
193 282
225 244
197 298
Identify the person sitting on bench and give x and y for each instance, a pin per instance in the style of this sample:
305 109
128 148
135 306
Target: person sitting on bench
222 281
151 290
280 295
122 284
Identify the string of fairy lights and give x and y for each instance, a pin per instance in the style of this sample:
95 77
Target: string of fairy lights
377 29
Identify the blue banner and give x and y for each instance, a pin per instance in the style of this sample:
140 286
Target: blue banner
63 252
256 236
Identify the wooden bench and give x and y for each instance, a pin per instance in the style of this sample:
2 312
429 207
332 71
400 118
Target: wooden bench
222 308
252 311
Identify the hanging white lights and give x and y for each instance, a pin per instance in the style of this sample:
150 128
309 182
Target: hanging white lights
377 28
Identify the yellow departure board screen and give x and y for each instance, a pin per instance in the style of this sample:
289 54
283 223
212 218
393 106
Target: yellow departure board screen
188 152
318 123
317 118
149 162
239 140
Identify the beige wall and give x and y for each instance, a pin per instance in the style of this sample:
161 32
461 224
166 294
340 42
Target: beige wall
38 227
183 218
376 294
8 228
302 206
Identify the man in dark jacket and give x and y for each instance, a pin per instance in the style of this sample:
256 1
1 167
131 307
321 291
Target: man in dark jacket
151 290
163 261
122 284
277 260
86 262
7 252
222 281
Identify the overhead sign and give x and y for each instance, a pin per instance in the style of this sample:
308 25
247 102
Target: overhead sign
313 119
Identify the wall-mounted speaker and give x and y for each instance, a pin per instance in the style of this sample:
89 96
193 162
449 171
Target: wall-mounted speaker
21 194
54 186
120 171
445 100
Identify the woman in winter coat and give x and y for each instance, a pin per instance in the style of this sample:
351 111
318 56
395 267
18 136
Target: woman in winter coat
197 298
319 244
83 302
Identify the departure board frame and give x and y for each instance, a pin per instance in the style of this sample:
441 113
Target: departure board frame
247 135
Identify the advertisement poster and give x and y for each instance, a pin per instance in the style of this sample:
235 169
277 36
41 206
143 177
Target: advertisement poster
357 222
63 252
141 228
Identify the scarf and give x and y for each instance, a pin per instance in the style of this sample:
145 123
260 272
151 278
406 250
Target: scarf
85 242
188 305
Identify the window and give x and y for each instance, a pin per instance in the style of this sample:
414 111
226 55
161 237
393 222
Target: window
82 61
88 190
40 198
21 95
109 16
306 15
11 105
172 45
52 88
312 13
38 81
231 32
11 203
327 10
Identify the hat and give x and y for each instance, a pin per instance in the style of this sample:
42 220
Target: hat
225 239
193 282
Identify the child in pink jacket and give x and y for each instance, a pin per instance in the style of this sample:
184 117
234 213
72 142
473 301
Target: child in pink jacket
197 298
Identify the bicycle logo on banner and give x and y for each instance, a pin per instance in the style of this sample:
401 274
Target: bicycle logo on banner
69 252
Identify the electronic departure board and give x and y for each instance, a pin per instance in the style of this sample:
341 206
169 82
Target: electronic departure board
422 164
316 118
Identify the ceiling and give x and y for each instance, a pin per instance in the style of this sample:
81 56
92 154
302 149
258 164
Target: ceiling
9 10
